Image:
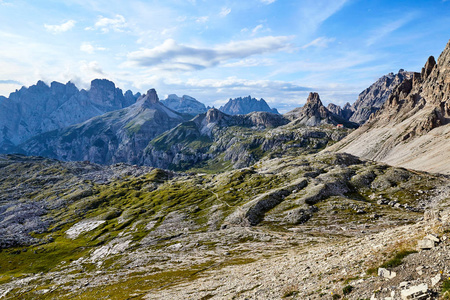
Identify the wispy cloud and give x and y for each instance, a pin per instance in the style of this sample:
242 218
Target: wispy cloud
203 19
60 28
89 48
313 13
386 29
320 42
10 82
268 1
117 24
256 29
172 56
225 11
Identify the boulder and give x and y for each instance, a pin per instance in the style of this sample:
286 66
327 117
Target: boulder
415 292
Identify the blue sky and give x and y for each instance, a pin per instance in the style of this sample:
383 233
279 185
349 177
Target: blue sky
214 50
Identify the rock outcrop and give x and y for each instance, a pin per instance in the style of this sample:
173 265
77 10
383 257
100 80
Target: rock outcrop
42 108
185 104
371 99
246 105
118 136
314 113
412 127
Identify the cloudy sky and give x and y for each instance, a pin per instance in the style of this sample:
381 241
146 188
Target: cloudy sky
278 50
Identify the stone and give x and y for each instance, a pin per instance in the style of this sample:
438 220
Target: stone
382 272
415 292
435 280
419 270
433 238
426 244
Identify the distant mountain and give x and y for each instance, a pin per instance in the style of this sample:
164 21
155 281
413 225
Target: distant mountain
371 99
345 112
314 113
412 129
185 104
42 108
118 136
246 105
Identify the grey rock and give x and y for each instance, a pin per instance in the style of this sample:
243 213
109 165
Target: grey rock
415 292
382 272
426 244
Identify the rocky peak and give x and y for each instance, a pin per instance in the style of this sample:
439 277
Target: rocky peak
429 65
314 106
150 98
214 115
371 99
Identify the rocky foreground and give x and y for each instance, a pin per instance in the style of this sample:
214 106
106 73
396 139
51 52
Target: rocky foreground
297 227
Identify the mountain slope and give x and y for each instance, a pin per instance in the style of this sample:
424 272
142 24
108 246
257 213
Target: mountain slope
118 136
184 104
371 99
246 105
412 128
41 108
314 113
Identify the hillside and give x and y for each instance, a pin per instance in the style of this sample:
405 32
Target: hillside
412 128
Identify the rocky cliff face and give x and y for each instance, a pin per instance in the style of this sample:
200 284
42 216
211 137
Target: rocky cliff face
41 108
412 127
185 104
246 105
372 98
118 136
314 113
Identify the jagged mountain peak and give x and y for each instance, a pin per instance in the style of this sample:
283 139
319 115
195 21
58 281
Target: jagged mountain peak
149 98
245 105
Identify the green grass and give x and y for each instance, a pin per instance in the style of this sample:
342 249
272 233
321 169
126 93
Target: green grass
395 261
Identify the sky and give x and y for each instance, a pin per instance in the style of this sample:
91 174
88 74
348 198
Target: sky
278 50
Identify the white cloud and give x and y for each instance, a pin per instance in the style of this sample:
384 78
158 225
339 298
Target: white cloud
171 56
118 24
387 29
256 29
225 12
268 1
203 19
60 28
89 48
321 42
91 68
